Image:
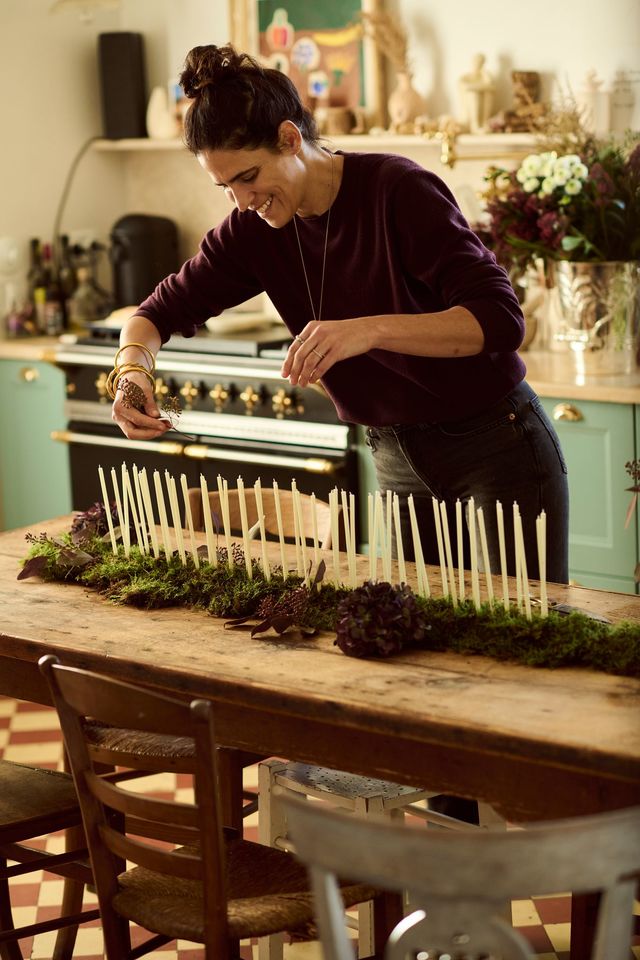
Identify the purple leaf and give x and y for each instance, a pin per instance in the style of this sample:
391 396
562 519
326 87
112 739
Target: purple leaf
34 567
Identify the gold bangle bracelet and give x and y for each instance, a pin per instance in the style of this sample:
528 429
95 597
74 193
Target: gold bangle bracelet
141 346
111 386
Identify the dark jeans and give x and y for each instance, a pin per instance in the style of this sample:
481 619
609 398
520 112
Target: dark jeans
508 453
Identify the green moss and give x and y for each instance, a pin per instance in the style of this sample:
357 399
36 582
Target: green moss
142 581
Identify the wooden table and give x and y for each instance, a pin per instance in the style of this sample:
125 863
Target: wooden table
535 743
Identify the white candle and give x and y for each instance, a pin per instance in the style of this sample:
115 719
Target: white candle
141 511
373 537
441 557
283 550
162 513
352 542
389 531
385 545
347 534
300 533
485 555
335 535
125 502
175 516
460 546
212 552
148 507
116 493
503 555
541 533
473 550
128 495
421 570
448 551
123 511
266 568
314 531
189 518
107 510
223 492
244 523
517 549
519 537
402 570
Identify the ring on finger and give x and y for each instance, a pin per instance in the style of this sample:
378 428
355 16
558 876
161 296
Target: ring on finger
317 353
299 339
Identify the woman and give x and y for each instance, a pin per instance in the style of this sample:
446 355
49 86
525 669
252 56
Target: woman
395 305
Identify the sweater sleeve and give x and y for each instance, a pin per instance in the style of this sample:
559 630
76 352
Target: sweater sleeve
216 278
440 249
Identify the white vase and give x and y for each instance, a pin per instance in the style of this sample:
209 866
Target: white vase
161 123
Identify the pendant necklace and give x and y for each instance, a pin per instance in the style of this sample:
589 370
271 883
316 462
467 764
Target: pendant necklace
324 255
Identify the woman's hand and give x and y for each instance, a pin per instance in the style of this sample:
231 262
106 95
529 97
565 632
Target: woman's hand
138 420
323 343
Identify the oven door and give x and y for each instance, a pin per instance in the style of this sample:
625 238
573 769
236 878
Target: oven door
314 469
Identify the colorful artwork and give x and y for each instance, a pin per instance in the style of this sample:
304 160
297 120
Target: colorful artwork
318 45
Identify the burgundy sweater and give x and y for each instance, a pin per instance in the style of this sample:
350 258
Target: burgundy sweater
398 243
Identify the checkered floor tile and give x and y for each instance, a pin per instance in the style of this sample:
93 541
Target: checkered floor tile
30 734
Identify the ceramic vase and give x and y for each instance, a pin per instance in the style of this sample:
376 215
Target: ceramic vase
405 104
161 122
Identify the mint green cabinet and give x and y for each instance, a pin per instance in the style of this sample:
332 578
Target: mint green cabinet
34 469
597 440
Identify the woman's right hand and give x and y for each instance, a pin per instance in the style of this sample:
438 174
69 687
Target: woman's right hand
142 421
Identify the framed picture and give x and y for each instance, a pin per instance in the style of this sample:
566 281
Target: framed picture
319 46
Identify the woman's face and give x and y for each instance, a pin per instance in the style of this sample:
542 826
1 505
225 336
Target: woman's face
267 182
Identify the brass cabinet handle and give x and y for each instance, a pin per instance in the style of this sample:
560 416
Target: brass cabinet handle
29 374
163 447
303 464
567 411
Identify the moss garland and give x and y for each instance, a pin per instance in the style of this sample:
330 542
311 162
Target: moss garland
435 624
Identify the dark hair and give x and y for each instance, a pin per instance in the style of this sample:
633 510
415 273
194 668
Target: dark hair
237 103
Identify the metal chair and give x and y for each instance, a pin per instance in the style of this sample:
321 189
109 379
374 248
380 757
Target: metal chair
34 802
366 797
209 885
456 908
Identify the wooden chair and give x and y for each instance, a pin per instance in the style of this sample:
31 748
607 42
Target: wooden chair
458 880
35 802
210 886
323 514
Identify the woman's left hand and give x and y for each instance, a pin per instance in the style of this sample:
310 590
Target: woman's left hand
321 344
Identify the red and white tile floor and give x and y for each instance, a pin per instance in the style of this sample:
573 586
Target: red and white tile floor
30 734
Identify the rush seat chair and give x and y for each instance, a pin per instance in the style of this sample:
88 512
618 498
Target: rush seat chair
205 883
35 802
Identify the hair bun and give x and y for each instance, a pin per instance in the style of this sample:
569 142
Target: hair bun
205 66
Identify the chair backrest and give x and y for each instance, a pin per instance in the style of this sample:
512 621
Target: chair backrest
285 497
457 881
122 825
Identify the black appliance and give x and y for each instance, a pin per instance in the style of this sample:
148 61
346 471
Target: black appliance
144 250
123 87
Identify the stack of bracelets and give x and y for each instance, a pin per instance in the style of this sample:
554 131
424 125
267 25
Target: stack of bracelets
120 370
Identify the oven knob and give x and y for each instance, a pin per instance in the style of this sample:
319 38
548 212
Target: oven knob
249 397
101 386
189 392
219 396
281 403
161 388
71 389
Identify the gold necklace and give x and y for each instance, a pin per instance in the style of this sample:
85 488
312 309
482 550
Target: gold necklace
324 255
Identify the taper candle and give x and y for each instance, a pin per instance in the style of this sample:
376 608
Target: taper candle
448 551
441 556
141 511
266 568
485 555
523 567
460 548
129 496
244 524
189 518
314 531
162 513
283 551
123 510
175 516
335 535
518 558
212 552
223 493
402 569
148 508
473 551
541 532
421 570
107 510
503 555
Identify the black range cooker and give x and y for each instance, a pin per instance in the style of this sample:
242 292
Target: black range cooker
241 417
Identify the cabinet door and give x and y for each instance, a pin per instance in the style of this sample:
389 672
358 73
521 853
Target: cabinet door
34 469
597 440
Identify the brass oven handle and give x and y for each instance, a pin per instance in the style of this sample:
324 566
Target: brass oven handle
306 464
567 411
96 440
29 374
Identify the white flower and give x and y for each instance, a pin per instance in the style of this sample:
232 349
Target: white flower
547 161
530 167
547 187
580 171
530 185
560 174
572 187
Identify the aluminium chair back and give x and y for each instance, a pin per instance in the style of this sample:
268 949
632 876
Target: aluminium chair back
457 881
124 826
285 497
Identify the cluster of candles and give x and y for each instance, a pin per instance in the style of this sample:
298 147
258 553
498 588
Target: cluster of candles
135 509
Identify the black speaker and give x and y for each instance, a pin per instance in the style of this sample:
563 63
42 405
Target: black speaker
122 85
144 250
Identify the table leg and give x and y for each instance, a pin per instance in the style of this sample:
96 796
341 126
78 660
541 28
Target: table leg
584 912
